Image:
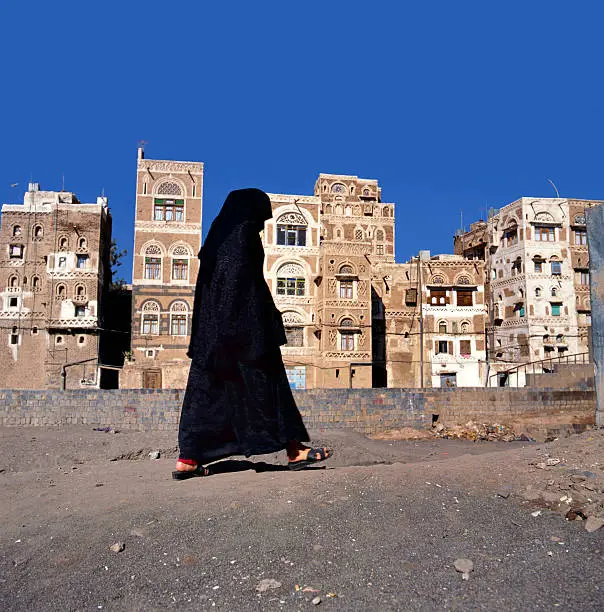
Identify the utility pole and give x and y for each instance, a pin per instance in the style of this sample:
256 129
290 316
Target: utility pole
420 297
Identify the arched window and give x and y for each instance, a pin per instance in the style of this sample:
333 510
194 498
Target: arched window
178 318
152 262
442 327
82 243
537 291
172 207
150 318
38 231
294 328
328 209
61 291
169 188
63 243
465 327
13 281
80 291
181 255
366 192
17 230
579 219
291 229
386 211
338 188
346 282
35 283
347 336
554 291
544 217
291 280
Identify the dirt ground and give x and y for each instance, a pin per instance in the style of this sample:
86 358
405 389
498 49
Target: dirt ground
68 494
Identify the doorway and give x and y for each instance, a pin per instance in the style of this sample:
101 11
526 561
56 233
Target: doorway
152 379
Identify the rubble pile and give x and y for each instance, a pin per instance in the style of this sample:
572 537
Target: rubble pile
479 431
570 490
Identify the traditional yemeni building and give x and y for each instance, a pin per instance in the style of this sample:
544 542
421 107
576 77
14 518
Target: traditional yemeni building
536 256
167 238
54 254
446 293
320 251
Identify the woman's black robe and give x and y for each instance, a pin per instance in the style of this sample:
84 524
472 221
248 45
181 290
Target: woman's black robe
238 400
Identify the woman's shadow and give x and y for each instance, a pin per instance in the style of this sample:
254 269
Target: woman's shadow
241 465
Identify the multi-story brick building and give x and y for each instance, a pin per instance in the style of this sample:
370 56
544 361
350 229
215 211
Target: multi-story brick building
54 271
320 252
167 238
535 250
434 312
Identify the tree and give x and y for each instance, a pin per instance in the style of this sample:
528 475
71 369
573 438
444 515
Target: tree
115 261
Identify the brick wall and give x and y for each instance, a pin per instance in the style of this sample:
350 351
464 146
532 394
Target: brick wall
361 410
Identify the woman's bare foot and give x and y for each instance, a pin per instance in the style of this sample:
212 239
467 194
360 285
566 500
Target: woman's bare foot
185 467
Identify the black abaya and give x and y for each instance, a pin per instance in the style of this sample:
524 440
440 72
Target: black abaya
238 400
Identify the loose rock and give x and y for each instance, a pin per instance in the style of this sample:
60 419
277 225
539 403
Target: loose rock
464 566
267 584
118 547
316 601
593 523
154 455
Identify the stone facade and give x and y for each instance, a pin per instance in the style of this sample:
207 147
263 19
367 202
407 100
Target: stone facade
366 411
54 254
167 238
439 302
320 253
537 278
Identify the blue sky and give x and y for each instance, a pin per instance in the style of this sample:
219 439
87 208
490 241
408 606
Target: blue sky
450 105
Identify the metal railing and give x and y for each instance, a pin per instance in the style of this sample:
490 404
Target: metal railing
517 375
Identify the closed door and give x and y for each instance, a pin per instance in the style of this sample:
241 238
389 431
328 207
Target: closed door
152 379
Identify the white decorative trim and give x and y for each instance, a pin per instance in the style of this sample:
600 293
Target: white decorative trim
156 165
347 355
153 243
168 227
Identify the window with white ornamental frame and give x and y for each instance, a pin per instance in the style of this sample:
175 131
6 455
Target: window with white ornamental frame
292 230
150 318
291 280
179 319
181 256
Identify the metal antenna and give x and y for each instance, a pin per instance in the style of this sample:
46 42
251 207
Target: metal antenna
554 186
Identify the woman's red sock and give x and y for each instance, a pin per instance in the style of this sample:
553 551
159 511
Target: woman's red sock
187 461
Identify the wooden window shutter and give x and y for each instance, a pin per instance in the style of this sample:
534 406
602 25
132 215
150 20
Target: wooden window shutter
436 347
450 347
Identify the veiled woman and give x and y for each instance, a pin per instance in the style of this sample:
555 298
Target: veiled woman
238 400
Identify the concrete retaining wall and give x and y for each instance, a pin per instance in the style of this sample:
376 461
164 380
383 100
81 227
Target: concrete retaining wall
361 410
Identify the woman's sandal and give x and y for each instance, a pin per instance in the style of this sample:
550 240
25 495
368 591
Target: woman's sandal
199 472
310 458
